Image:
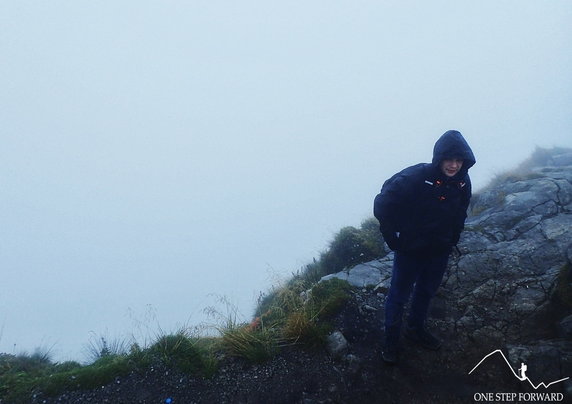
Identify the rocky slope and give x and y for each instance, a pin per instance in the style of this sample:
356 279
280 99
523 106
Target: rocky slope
509 290
511 286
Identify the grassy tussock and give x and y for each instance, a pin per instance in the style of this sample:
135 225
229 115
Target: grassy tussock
253 344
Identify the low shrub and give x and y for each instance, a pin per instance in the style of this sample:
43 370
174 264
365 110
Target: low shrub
352 246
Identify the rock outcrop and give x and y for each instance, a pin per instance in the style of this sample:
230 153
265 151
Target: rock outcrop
511 286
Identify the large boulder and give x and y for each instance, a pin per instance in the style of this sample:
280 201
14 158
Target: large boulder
514 273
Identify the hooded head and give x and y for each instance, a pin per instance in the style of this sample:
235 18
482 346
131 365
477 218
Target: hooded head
452 145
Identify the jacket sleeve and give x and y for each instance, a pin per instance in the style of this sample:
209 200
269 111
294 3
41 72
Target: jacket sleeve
462 214
387 209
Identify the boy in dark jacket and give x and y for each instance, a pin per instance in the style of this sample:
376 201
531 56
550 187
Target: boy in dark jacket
422 211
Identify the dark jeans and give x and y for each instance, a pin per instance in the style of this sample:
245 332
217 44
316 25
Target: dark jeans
421 274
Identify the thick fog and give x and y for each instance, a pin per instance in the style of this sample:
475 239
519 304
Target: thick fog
156 156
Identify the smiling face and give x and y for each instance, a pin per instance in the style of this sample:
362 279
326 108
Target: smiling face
450 167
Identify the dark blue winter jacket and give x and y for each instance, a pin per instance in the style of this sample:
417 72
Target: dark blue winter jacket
420 209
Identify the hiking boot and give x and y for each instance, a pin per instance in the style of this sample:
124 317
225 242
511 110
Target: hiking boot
389 355
423 337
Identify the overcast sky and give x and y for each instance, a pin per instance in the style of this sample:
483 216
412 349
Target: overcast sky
155 152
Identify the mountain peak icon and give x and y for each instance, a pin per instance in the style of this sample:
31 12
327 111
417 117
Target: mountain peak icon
522 371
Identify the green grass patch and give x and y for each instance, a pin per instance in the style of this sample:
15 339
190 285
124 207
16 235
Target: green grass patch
98 374
18 383
22 376
184 353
